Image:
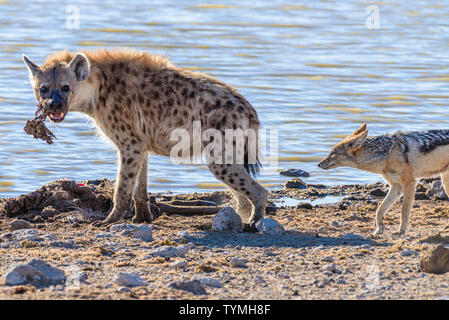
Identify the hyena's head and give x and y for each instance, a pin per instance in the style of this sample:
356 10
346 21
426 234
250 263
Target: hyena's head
343 153
56 83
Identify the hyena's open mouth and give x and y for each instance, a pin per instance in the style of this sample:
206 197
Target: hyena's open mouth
57 116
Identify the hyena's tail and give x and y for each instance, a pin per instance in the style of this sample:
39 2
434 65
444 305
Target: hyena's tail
253 168
252 161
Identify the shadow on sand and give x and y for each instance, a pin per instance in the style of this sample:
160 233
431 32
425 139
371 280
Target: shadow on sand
290 239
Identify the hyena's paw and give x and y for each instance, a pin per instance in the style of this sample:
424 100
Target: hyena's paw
143 213
103 223
250 227
112 218
143 218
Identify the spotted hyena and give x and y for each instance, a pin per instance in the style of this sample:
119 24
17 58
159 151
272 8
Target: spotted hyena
137 99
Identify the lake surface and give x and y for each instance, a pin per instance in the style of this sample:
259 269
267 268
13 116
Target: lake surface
313 70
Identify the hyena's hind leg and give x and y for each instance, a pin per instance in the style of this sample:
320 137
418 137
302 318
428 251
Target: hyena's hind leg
241 182
243 205
142 211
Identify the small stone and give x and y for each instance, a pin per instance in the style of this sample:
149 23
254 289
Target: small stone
337 223
269 252
18 224
36 270
62 244
421 196
437 191
142 232
19 235
328 259
179 264
183 233
295 184
238 263
21 274
322 230
259 280
304 205
323 283
171 252
227 220
294 173
193 286
378 192
211 282
435 260
129 280
269 226
330 267
408 252
103 234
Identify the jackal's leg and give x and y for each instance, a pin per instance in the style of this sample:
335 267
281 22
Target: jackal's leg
130 159
409 196
140 195
445 181
239 180
393 194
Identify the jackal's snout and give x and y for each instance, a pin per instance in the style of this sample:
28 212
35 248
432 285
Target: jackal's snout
344 152
326 163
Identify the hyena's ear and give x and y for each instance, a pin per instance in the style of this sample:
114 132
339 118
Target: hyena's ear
359 130
32 67
357 141
80 66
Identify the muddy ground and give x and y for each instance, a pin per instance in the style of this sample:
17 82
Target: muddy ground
327 251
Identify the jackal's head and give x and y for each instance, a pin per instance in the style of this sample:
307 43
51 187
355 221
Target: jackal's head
56 83
342 154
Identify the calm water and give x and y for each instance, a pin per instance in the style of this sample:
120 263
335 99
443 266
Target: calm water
312 69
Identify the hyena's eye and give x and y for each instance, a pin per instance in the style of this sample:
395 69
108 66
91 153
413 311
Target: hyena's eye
43 90
65 88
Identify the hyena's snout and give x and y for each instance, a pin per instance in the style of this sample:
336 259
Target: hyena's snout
56 107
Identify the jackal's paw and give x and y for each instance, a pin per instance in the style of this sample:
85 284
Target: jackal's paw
400 232
378 231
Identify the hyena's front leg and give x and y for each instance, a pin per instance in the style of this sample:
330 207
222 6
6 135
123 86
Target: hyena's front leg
140 195
409 196
130 159
394 193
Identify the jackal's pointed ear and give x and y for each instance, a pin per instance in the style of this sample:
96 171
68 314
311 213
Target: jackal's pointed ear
80 66
356 141
32 67
360 130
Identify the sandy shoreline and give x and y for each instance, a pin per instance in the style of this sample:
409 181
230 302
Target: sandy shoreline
327 251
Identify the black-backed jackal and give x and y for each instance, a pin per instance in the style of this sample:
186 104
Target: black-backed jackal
400 158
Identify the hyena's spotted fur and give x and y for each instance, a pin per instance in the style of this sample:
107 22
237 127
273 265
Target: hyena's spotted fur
137 100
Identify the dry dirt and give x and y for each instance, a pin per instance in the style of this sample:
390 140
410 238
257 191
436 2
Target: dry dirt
327 251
